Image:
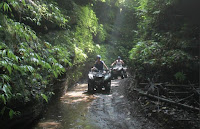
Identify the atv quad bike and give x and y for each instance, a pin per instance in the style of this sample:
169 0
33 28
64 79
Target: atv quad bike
98 80
118 71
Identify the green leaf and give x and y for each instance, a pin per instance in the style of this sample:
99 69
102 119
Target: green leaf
9 69
1 5
3 98
11 113
9 8
11 55
3 63
16 67
4 53
27 68
23 2
5 88
10 0
44 97
22 50
6 7
45 65
156 12
48 65
6 77
47 44
180 76
55 74
35 60
31 69
2 45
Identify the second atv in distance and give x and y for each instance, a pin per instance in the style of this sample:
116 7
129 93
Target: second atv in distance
117 71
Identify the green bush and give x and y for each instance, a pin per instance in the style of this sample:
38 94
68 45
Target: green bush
30 61
150 58
28 65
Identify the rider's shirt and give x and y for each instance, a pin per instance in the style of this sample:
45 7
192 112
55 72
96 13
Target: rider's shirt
99 65
118 63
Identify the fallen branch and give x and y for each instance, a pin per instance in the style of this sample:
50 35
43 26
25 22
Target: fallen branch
186 120
178 86
146 84
166 100
179 93
185 98
169 85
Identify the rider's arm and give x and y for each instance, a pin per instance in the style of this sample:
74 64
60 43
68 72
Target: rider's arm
93 68
122 62
113 63
105 65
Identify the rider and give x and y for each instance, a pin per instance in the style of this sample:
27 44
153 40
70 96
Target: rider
99 64
118 62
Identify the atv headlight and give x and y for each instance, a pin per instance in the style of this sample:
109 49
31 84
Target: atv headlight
90 76
107 77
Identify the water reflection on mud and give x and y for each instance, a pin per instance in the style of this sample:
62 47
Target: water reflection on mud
50 124
77 95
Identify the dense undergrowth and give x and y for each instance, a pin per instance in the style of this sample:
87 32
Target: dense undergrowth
167 41
38 45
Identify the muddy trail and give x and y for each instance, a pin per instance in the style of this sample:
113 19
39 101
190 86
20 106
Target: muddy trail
79 110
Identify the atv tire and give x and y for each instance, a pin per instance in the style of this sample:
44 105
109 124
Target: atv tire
125 75
108 86
90 87
99 89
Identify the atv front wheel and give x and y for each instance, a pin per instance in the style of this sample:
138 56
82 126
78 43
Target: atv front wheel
90 87
108 86
125 75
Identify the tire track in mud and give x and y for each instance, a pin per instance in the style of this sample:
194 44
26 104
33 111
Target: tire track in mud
112 111
108 111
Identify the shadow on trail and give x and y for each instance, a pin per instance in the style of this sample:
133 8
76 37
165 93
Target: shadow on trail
103 92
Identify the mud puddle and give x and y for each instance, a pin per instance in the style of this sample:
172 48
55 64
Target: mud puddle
79 110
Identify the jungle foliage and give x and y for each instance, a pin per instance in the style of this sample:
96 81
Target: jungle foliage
158 39
38 45
42 40
167 41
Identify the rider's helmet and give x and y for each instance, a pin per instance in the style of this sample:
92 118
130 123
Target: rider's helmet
98 56
118 57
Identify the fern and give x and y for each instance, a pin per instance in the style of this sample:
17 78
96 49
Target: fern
5 6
